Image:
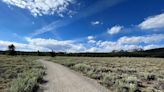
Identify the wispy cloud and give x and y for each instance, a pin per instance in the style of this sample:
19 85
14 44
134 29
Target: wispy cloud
101 4
47 28
42 7
104 4
52 27
153 22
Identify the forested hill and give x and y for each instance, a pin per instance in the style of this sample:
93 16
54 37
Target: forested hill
157 50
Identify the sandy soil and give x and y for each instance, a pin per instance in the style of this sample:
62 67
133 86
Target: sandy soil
62 79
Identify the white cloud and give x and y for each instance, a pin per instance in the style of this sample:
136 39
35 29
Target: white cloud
106 43
51 27
42 7
152 46
90 37
91 41
142 39
47 28
108 46
56 45
93 49
153 22
123 43
99 6
34 44
91 10
21 46
114 30
129 43
96 23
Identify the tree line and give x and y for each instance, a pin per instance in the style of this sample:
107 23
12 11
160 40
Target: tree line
148 53
12 51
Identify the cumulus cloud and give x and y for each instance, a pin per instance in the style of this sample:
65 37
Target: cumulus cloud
34 44
123 43
42 7
114 30
56 45
96 23
129 43
91 39
108 46
142 39
152 46
153 22
21 46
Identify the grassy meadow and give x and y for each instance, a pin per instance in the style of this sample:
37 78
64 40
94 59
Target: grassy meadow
19 73
120 74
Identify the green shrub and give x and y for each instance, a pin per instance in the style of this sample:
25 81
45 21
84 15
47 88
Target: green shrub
82 67
94 75
128 84
121 74
26 82
109 80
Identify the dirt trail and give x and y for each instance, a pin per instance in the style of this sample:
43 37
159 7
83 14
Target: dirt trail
62 79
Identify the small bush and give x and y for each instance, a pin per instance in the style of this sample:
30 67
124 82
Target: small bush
26 82
109 80
151 77
94 75
128 84
82 67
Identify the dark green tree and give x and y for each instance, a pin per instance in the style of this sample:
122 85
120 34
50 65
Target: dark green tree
38 53
52 53
11 50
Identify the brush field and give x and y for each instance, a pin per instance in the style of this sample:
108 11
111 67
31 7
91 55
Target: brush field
120 74
19 73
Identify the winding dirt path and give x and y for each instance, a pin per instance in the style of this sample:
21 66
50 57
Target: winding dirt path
62 79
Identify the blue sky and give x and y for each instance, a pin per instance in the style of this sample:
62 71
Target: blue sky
81 25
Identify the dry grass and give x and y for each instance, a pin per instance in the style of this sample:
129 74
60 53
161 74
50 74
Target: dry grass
19 73
121 74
